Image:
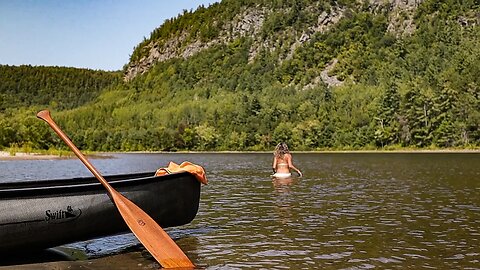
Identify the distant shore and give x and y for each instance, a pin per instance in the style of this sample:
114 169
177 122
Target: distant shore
5 155
398 151
26 156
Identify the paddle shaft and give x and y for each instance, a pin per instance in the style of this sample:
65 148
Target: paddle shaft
148 232
45 115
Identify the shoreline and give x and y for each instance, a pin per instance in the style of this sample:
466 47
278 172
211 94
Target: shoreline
4 155
383 151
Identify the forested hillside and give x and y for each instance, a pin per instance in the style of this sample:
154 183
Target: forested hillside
59 88
24 90
244 75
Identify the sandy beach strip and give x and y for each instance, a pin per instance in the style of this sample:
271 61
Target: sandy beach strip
26 156
4 155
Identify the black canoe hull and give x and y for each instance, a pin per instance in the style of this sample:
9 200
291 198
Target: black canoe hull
43 214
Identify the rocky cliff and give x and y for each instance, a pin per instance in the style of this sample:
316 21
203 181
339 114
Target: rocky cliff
249 23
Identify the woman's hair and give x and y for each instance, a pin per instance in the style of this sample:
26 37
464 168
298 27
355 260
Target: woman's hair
281 149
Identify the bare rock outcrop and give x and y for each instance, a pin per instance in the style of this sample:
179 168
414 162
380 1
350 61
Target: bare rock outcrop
250 22
246 23
401 17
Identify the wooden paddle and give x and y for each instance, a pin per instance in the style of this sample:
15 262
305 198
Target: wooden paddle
150 234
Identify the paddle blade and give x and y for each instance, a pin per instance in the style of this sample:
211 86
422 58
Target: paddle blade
151 235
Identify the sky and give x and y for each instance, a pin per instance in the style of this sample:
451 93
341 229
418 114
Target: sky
94 34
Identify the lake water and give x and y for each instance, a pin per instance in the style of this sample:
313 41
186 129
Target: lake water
349 211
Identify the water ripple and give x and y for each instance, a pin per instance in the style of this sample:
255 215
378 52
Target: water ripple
349 211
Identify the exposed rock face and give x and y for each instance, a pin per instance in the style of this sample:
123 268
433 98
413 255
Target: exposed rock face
401 17
247 23
324 22
250 22
325 77
330 80
157 53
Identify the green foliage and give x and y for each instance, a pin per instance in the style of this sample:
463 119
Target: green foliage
25 90
56 87
417 91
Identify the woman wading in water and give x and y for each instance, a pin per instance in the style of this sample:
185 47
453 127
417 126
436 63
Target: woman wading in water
282 162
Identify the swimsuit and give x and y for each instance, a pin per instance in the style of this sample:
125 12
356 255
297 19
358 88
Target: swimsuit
282 175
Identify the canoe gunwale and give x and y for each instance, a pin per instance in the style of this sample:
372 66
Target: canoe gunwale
78 185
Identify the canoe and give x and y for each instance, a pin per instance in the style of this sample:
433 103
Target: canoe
48 213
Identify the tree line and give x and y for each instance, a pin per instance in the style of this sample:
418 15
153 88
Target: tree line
418 91
60 88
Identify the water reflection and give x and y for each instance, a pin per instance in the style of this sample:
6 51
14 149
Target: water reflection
282 185
283 198
350 211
